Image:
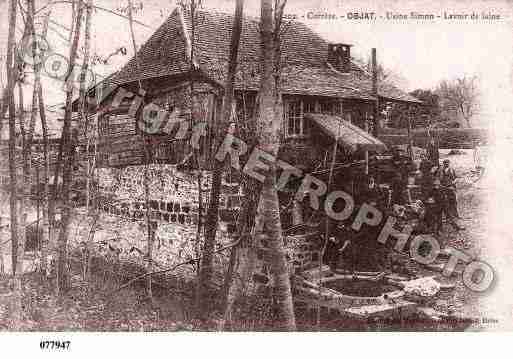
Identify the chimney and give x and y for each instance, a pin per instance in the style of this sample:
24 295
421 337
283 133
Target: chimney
339 56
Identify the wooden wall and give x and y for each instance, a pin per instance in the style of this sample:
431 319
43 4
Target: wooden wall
122 143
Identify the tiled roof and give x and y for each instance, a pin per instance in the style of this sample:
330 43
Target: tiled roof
304 55
162 55
304 80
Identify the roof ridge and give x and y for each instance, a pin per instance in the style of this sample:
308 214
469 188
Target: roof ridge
187 38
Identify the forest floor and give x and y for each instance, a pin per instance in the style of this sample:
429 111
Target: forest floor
97 307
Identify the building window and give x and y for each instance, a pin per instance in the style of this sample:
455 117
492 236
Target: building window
329 107
309 106
103 125
294 113
325 107
296 108
245 107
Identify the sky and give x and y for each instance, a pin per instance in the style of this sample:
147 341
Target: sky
423 52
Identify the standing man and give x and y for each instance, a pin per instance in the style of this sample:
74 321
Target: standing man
435 205
432 152
448 183
425 164
479 158
372 194
426 181
398 189
333 250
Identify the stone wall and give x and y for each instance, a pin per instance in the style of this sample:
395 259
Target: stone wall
173 194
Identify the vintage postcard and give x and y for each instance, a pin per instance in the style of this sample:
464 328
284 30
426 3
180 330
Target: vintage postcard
255 166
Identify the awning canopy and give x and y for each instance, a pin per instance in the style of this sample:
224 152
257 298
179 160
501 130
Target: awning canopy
346 132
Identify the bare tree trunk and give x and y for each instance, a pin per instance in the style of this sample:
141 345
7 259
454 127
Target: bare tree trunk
238 283
46 240
26 182
150 230
13 200
192 102
68 149
24 198
200 222
96 216
3 108
268 224
2 266
82 104
242 256
34 110
25 176
83 112
9 100
212 213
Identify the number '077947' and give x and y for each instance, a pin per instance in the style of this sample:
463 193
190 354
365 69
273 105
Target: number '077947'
54 345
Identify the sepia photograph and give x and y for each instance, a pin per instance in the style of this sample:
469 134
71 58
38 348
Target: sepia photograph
255 166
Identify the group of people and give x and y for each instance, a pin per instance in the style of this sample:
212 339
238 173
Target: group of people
438 199
438 188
